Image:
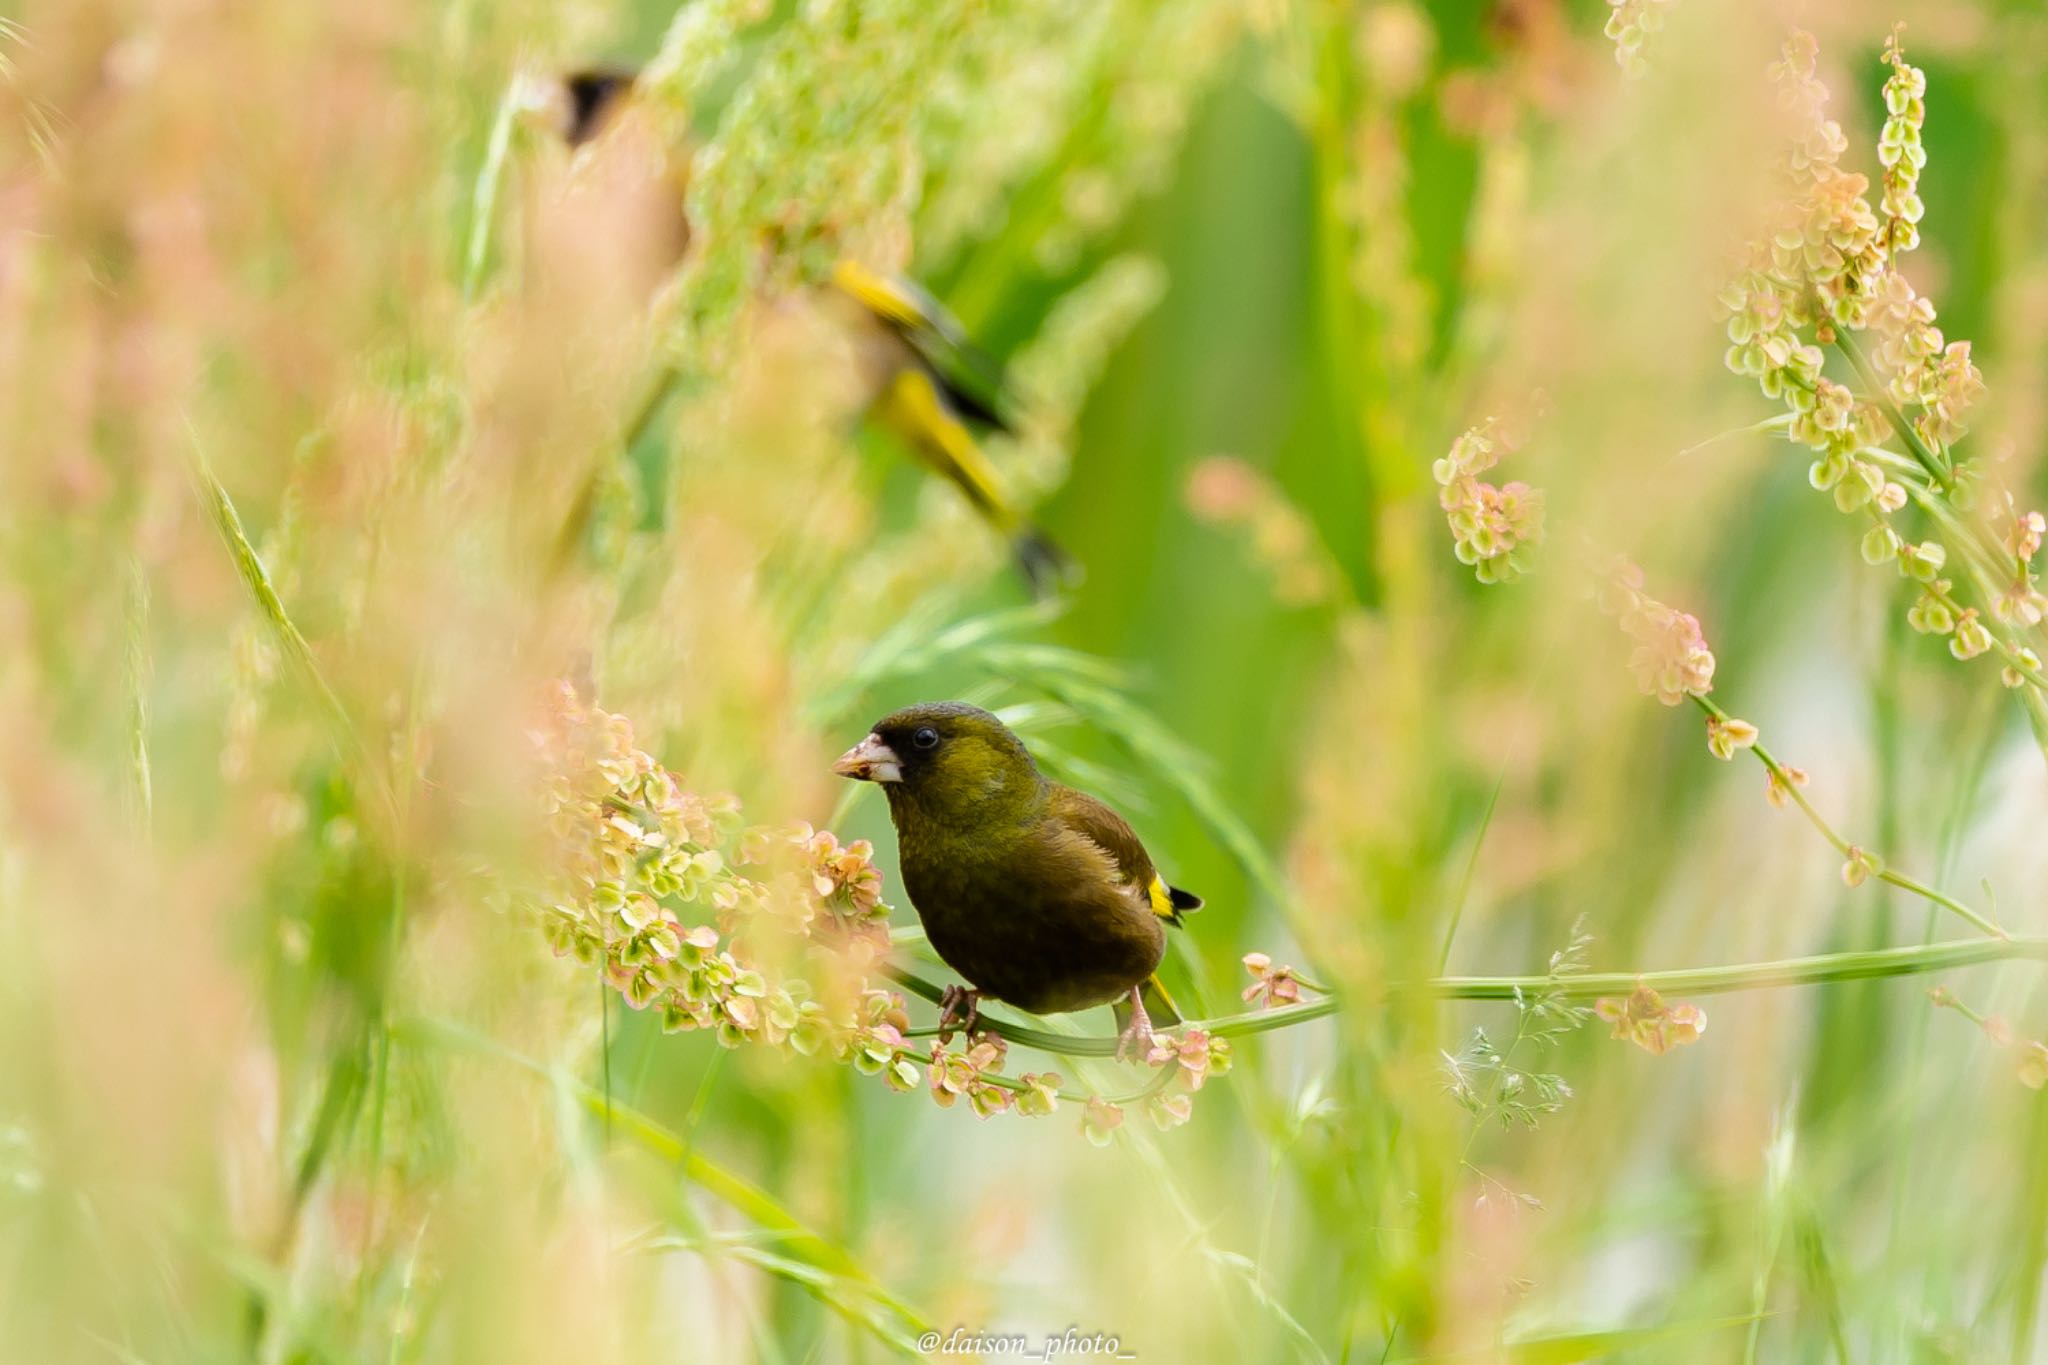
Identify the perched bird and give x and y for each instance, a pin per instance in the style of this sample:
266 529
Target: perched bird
925 382
1037 894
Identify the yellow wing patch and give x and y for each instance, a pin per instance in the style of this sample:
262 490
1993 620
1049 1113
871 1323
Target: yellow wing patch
914 406
1162 900
877 293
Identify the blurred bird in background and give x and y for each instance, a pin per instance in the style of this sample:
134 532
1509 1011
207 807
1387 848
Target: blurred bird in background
921 378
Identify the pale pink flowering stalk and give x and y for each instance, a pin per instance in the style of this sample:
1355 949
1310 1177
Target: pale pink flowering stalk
2020 602
1898 147
1724 737
633 850
1168 1112
1826 266
1858 865
953 1074
1493 529
1781 783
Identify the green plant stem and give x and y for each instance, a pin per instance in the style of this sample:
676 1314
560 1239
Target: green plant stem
1842 846
483 199
1936 468
256 578
138 671
1443 956
1821 969
604 1024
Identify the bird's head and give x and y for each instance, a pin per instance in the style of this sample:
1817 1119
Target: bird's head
947 759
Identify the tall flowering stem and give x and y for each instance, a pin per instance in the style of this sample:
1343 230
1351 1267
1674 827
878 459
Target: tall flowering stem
1785 784
1826 266
1672 662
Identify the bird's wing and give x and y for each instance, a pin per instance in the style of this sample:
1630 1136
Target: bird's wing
972 380
1088 818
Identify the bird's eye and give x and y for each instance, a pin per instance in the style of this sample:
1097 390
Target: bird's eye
925 738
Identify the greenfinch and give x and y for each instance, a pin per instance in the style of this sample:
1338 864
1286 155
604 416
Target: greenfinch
1038 895
924 381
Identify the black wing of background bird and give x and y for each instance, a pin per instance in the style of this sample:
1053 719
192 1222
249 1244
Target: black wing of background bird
975 383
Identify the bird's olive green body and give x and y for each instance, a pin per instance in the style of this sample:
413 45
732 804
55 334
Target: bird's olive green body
1035 893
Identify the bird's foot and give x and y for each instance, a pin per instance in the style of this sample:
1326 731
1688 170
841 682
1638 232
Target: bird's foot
959 1008
1136 1039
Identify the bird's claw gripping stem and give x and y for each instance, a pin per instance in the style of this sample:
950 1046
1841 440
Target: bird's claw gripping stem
959 1007
1136 1039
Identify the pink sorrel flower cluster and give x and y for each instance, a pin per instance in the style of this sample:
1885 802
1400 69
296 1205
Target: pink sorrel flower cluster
1670 660
1645 1019
1493 528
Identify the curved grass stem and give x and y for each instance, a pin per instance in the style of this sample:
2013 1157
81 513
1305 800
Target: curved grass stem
1790 787
1822 969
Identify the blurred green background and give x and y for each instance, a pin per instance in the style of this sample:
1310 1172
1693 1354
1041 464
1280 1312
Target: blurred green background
321 361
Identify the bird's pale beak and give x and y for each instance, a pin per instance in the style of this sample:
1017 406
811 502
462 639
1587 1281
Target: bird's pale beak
870 761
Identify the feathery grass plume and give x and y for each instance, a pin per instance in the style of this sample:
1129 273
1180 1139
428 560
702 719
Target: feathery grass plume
1058 367
814 167
1080 108
1494 1084
703 39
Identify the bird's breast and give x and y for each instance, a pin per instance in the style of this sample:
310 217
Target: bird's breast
1041 936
